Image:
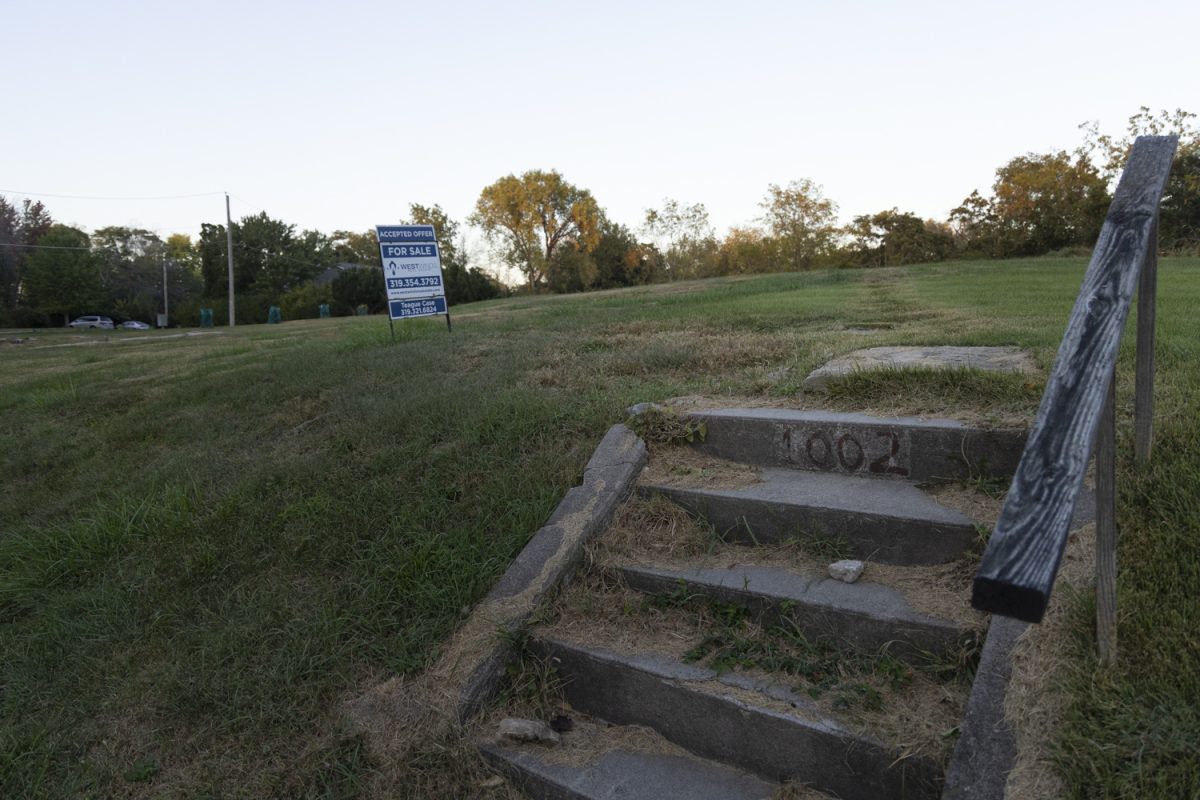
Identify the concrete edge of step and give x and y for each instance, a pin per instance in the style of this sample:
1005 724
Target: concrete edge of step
471 667
738 720
987 750
822 608
556 550
617 770
987 747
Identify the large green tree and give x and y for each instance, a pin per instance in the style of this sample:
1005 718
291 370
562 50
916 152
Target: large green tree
134 263
1179 216
893 237
62 276
130 261
11 255
1039 203
684 237
354 248
802 221
1046 202
361 286
746 250
530 217
19 228
269 256
621 260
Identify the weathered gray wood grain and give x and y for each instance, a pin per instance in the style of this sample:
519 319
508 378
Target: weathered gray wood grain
1022 558
1106 527
1143 403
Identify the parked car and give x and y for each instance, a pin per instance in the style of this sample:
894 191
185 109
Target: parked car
93 321
134 325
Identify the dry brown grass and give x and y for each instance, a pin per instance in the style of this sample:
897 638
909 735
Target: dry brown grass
1036 698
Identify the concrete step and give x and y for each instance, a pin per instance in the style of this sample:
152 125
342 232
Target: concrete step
864 616
748 723
607 766
884 447
892 522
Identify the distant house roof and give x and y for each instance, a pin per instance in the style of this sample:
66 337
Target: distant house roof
329 273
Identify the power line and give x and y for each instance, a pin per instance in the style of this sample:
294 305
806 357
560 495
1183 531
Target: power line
49 246
92 197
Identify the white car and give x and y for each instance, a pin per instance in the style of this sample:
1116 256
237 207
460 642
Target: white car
134 325
93 322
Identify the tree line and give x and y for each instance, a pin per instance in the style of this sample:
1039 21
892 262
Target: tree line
559 239
51 272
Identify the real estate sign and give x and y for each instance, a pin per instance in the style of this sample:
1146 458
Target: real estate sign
412 270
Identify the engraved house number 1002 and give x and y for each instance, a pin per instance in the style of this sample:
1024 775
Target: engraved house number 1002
847 452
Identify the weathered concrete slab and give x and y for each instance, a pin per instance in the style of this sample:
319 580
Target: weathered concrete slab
717 716
994 359
857 444
863 616
892 522
472 664
620 772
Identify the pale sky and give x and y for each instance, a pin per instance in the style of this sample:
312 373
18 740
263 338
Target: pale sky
339 114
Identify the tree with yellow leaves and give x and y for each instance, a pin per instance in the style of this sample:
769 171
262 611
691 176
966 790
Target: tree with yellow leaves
533 215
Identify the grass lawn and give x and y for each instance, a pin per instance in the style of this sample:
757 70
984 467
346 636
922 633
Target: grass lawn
208 542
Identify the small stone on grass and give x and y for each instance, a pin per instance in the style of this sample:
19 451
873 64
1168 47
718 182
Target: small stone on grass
846 570
527 730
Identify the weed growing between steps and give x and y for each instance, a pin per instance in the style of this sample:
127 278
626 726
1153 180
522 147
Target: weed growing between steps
660 425
656 531
685 467
823 670
918 707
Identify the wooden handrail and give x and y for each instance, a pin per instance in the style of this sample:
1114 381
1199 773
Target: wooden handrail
1023 554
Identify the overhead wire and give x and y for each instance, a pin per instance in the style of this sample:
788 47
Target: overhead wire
97 197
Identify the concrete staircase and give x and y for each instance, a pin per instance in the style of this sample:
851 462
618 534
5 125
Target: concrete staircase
784 492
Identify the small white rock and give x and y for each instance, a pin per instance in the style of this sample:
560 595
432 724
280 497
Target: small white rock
846 571
527 730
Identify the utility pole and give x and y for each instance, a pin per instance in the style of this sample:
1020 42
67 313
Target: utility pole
166 311
229 249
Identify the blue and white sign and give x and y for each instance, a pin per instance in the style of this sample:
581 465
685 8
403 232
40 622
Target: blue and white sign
412 270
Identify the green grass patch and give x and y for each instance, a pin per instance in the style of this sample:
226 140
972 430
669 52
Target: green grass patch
934 391
1134 730
208 542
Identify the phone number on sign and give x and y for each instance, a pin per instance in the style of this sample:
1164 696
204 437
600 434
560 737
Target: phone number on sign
413 283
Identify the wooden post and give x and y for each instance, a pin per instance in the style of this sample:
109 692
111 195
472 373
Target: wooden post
1143 402
1106 528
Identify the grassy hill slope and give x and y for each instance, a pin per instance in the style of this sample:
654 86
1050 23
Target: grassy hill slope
207 542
